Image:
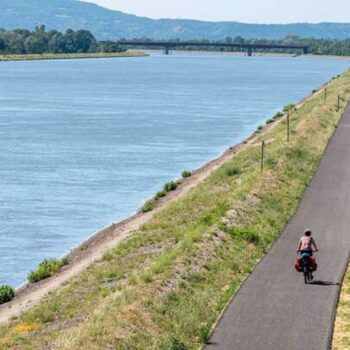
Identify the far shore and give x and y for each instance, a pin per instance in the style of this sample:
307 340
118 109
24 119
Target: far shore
51 56
241 54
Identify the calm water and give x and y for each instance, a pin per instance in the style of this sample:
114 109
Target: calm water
85 142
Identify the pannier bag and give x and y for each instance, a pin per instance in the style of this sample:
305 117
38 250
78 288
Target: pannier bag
311 261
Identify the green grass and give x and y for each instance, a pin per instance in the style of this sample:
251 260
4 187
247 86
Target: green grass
51 56
165 286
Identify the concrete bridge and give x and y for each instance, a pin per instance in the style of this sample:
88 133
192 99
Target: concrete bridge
167 46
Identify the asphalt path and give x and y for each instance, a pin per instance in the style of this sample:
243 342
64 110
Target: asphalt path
274 309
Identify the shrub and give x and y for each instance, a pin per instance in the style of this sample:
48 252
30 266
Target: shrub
160 194
278 115
232 171
174 343
259 127
204 334
186 173
7 293
46 269
288 107
170 186
147 207
270 121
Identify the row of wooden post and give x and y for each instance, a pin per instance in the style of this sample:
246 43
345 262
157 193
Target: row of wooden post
288 128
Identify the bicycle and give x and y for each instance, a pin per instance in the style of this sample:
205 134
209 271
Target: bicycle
306 267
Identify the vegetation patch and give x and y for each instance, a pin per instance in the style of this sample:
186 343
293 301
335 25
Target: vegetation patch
170 186
46 269
166 285
341 337
148 206
186 173
7 293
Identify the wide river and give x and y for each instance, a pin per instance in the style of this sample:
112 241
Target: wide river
84 143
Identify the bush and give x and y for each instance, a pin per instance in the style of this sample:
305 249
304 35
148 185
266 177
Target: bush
186 173
160 194
259 128
46 269
278 115
147 207
288 107
7 293
232 171
174 343
270 121
170 186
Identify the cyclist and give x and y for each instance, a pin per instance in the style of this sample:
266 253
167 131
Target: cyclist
306 243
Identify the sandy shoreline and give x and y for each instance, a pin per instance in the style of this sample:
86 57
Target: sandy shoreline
94 247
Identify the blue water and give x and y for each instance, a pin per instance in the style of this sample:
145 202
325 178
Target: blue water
85 142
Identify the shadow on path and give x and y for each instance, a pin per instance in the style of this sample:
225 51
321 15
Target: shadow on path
324 283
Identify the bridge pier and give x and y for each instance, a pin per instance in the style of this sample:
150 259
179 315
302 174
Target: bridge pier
167 51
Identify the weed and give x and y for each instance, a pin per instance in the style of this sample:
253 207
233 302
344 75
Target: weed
232 171
174 343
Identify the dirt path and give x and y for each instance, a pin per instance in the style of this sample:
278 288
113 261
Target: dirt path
274 309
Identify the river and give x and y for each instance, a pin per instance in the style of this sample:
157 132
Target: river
85 142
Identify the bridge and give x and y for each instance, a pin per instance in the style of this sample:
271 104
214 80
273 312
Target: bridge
167 46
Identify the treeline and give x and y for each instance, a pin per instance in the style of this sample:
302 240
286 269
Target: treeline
40 41
315 46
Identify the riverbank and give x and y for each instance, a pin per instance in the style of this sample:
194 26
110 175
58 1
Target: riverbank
49 56
177 266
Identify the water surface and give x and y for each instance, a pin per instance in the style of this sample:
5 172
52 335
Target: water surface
84 143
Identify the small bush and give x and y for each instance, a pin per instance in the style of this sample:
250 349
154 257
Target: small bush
270 121
204 334
147 207
259 127
278 115
232 171
186 173
288 107
7 293
170 186
46 269
160 194
174 343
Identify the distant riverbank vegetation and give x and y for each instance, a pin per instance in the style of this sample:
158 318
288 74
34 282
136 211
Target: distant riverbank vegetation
40 41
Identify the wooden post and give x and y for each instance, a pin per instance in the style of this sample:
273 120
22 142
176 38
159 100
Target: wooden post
288 127
262 155
325 95
338 103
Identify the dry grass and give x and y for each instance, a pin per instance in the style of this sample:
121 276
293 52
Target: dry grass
169 282
341 338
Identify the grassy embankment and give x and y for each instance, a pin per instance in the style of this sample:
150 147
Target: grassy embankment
51 56
341 338
165 287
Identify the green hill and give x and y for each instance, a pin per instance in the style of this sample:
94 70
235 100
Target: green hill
108 24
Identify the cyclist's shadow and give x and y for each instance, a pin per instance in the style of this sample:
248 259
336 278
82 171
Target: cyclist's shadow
324 283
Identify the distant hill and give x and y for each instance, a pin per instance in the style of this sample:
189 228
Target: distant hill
108 24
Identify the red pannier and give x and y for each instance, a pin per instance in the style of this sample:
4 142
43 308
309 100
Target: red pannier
312 262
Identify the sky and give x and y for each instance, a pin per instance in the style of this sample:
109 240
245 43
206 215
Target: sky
249 11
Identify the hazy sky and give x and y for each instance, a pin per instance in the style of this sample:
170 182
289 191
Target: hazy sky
256 11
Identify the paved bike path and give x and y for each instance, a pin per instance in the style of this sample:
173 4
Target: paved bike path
274 309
